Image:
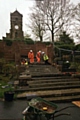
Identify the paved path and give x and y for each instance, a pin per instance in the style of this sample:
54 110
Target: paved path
13 110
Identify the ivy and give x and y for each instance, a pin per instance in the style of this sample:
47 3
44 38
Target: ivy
8 42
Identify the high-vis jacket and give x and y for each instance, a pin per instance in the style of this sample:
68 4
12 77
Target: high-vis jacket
45 57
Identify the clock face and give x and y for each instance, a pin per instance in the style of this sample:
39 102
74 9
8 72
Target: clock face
16 26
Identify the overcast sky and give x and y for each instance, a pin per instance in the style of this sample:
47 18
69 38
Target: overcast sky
9 6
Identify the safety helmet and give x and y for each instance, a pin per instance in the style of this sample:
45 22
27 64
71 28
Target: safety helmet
30 50
67 61
43 52
25 59
39 51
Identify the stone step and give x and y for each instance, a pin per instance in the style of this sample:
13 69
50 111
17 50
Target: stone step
42 70
40 65
54 84
63 98
52 95
47 88
52 80
55 92
55 76
44 75
47 82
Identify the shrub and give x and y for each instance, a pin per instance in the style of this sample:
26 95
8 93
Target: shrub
8 42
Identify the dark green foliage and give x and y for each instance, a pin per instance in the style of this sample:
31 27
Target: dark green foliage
77 47
28 41
47 43
65 49
65 38
8 42
8 69
65 45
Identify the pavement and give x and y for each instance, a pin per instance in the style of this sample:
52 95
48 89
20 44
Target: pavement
13 110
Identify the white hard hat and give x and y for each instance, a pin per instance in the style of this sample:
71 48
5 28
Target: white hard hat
43 52
25 59
67 61
30 50
39 51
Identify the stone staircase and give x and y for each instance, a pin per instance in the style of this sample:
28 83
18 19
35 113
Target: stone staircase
47 82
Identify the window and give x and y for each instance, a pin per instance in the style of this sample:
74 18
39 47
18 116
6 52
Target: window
16 34
16 19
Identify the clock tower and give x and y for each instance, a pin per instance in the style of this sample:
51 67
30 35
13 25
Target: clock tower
16 26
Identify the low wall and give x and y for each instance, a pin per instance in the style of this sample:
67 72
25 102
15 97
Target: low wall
18 49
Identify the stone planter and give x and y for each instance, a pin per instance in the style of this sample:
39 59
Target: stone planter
8 96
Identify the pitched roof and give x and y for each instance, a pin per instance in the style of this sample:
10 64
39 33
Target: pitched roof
16 13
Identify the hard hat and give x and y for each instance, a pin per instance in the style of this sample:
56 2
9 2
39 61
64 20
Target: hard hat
67 61
43 52
39 51
30 50
25 59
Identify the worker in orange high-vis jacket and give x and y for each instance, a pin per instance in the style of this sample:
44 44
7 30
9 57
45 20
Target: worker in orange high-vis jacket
31 56
38 56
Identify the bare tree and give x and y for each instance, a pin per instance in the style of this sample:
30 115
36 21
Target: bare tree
54 13
76 21
37 22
